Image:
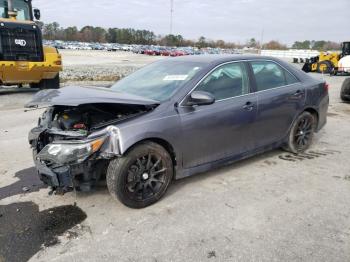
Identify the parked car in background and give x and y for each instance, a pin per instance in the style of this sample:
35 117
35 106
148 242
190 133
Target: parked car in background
172 119
177 52
345 90
113 48
97 47
149 51
139 49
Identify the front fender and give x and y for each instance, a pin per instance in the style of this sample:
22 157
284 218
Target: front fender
166 128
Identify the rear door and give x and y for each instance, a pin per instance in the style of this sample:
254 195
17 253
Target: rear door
222 129
281 97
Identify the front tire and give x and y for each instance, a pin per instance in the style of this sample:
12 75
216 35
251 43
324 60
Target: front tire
301 134
142 176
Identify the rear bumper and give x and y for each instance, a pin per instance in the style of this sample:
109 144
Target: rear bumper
322 113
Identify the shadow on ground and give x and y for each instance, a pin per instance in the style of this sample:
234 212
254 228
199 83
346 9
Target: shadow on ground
16 90
228 167
101 187
28 182
24 230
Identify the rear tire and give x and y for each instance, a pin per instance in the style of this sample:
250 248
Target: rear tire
142 176
53 83
324 67
301 133
345 90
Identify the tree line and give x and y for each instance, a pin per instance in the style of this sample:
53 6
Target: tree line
53 31
317 45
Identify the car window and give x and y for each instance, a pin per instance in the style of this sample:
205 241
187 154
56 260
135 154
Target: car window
270 75
226 81
291 79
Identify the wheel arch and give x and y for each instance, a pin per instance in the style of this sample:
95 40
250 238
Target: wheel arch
160 141
313 112
327 61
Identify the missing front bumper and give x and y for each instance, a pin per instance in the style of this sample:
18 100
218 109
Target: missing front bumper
82 176
59 179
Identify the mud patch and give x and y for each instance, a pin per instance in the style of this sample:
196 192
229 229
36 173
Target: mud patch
28 182
24 230
311 154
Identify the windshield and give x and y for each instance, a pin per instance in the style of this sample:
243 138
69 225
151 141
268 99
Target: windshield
346 48
158 81
20 6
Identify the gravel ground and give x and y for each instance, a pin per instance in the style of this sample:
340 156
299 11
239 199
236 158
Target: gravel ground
101 65
262 209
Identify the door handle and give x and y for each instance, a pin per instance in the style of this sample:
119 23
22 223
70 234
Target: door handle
248 106
298 94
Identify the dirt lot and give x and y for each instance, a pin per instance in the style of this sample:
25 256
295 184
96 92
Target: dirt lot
269 208
101 65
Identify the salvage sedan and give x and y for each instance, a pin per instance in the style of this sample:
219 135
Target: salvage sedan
171 119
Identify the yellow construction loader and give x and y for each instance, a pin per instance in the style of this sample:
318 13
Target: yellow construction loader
23 58
327 62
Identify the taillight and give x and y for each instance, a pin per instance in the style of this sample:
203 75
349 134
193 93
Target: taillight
326 87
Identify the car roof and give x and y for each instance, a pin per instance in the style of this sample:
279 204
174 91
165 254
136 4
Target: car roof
214 60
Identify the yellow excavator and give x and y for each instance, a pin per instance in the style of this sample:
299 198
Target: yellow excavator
327 62
23 58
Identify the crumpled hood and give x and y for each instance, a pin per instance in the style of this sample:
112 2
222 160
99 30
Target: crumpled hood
77 95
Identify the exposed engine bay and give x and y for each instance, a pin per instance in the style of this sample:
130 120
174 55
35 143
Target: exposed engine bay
73 144
92 116
67 122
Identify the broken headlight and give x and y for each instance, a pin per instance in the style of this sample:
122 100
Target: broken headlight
65 152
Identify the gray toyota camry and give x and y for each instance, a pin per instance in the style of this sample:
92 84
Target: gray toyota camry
172 119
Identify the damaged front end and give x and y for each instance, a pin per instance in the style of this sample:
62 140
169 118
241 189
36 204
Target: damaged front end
72 145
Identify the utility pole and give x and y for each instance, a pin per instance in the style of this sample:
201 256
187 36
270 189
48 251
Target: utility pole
171 15
261 40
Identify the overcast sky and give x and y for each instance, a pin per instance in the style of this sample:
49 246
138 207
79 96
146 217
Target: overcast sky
230 20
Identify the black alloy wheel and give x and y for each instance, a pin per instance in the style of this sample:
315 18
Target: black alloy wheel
142 176
301 134
146 177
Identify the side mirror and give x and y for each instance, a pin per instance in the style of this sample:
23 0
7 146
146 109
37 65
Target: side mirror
37 14
200 98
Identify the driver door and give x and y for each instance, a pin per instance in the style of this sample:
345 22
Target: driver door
222 129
